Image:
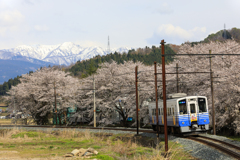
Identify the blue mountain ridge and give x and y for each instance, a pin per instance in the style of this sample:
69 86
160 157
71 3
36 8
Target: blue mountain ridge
18 65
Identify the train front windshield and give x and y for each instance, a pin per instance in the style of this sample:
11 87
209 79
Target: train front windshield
202 105
182 106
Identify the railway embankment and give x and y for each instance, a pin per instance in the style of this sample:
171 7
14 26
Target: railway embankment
192 148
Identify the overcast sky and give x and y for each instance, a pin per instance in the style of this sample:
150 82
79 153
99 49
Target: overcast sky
128 23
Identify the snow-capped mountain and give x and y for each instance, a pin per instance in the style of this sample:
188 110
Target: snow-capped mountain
63 54
22 59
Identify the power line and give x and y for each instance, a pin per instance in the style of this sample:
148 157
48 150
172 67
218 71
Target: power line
186 73
234 47
204 54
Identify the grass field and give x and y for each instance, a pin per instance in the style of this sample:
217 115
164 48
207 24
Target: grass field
3 108
2 104
21 144
4 114
5 121
8 122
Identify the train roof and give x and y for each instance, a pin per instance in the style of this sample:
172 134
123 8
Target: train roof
186 97
175 99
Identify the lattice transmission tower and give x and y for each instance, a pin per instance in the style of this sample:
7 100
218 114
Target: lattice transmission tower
225 34
108 49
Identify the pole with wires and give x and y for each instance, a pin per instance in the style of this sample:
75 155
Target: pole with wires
213 110
136 83
164 97
156 94
94 107
177 78
55 96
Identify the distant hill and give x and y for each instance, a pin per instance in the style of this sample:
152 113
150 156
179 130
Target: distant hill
12 68
11 71
146 55
233 33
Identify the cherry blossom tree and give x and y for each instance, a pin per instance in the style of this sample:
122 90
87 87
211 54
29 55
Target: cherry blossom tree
35 94
226 84
115 91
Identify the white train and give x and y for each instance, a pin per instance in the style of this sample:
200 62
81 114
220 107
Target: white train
185 114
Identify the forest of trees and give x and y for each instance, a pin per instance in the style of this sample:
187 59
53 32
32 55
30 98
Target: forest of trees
6 86
145 55
233 33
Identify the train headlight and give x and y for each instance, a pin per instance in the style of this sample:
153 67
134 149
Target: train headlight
182 122
204 120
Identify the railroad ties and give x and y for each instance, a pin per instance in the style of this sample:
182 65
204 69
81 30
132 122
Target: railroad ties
225 147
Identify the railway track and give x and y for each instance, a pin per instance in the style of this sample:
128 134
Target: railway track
225 147
73 127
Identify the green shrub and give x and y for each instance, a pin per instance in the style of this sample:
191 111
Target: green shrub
104 157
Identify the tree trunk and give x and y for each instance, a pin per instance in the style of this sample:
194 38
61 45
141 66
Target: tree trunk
59 117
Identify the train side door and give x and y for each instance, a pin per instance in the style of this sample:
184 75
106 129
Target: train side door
193 111
203 117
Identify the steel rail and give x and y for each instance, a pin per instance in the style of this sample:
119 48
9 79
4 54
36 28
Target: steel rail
72 127
217 146
216 140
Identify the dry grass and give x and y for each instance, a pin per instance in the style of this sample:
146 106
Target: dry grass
2 104
9 122
5 121
51 144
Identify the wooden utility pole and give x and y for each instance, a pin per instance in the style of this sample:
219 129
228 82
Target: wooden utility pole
177 78
213 110
164 97
138 108
94 107
156 95
55 101
136 83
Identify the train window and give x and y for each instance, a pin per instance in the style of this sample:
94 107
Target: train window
182 106
202 105
192 108
158 111
173 111
170 111
161 111
153 111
